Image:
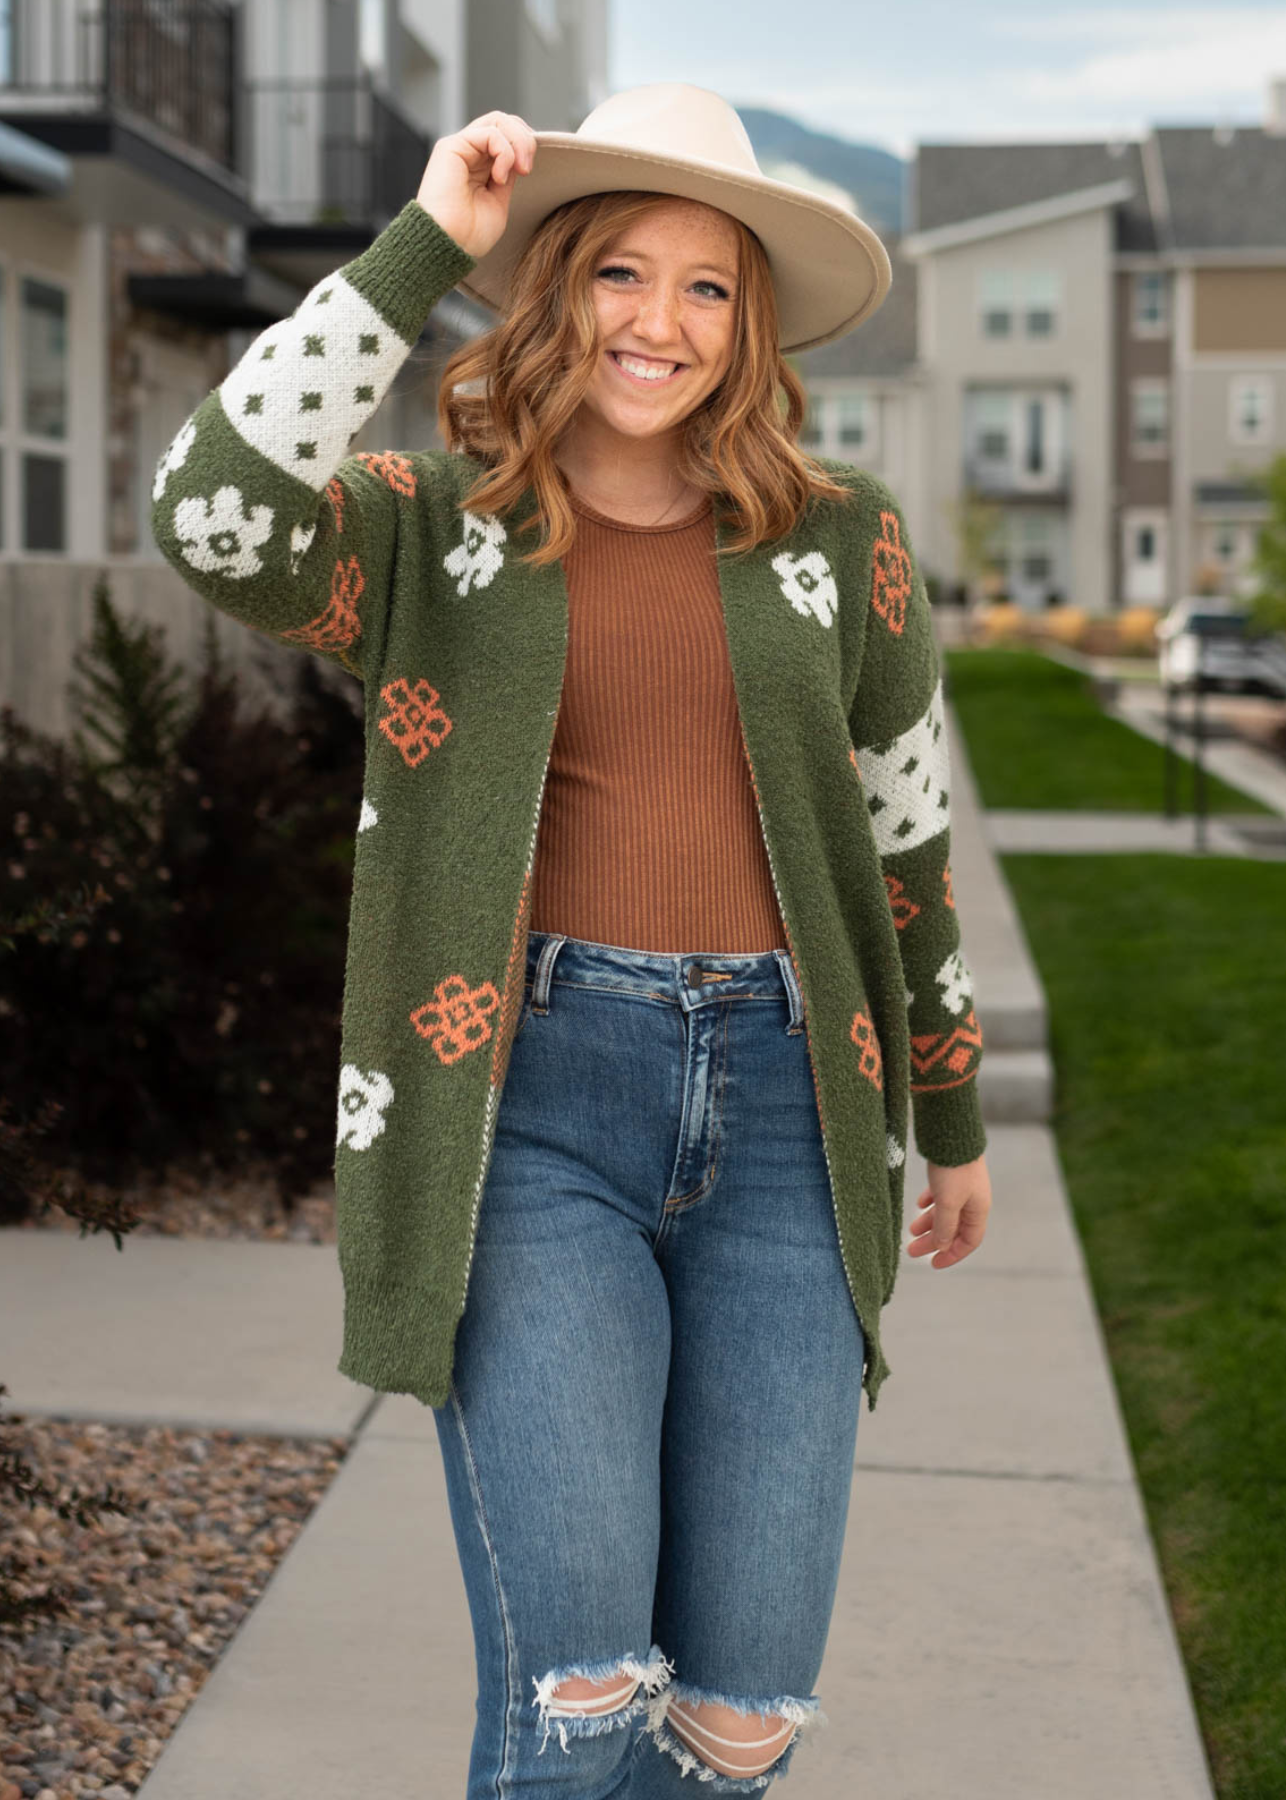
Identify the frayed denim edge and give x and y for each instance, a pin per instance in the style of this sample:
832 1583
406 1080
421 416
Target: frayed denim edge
651 1672
806 1715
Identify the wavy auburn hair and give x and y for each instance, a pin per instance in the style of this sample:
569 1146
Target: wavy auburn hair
529 374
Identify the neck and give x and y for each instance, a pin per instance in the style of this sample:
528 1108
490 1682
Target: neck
622 474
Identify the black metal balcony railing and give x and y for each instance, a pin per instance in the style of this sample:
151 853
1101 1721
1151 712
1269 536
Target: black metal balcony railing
330 151
1002 479
172 63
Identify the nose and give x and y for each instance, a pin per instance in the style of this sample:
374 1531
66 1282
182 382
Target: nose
657 317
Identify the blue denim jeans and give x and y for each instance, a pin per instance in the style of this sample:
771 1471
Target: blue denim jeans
650 1432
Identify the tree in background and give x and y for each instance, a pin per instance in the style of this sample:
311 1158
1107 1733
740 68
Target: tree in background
1268 603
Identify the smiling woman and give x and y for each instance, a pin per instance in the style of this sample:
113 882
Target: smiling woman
652 920
683 290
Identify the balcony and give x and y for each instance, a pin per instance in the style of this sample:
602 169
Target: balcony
331 162
1006 481
141 94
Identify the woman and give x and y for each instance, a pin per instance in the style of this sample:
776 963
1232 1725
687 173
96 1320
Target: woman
706 977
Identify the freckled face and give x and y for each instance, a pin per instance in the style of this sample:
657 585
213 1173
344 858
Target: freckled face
665 296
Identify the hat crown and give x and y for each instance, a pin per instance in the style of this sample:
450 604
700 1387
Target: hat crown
673 118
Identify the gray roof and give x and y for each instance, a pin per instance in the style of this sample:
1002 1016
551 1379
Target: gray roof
949 183
885 343
1224 195
1226 189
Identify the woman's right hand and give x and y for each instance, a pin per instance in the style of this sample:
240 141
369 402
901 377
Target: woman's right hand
467 182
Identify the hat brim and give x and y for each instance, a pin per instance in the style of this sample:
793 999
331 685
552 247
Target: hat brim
829 269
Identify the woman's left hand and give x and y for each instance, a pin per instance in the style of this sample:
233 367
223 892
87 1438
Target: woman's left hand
956 1202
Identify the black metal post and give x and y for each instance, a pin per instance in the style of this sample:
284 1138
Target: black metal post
1170 754
1198 747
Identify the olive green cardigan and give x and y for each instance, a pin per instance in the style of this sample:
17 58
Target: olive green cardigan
370 560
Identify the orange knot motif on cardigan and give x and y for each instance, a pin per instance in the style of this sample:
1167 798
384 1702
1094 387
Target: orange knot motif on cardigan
390 467
416 722
455 1021
339 626
871 1061
890 574
903 906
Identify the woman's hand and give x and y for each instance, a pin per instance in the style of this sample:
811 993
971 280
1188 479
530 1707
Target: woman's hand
957 1201
467 182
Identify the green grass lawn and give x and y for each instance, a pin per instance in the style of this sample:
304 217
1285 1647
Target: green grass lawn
1039 738
1166 981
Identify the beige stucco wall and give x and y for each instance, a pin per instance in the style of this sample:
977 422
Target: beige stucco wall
954 353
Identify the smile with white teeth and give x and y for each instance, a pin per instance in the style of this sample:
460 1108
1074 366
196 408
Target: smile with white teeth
644 371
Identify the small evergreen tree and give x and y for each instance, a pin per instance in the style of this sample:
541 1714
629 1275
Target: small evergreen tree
1268 604
131 702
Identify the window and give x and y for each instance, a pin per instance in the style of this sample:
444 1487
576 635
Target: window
1040 297
1034 446
852 419
810 432
996 303
1007 298
1145 543
991 417
35 412
44 359
1151 312
1250 409
1149 417
1227 542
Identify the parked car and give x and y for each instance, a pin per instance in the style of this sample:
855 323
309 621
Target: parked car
1211 632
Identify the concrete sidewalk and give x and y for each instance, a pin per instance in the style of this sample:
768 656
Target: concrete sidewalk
1000 1630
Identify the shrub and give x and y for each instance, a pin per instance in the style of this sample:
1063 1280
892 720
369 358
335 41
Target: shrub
194 1020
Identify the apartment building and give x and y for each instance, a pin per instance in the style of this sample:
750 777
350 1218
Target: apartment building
1090 337
174 176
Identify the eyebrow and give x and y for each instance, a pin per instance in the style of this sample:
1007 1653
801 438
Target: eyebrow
642 256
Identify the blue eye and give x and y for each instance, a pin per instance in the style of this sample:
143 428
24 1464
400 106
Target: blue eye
620 269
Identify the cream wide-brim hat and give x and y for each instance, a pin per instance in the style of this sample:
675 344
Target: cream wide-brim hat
829 269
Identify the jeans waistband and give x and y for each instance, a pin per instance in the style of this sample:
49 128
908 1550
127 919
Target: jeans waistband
687 980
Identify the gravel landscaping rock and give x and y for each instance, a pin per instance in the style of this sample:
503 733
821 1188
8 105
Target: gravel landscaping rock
88 1702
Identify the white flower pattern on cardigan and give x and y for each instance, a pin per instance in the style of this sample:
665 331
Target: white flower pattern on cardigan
219 536
956 983
300 538
478 558
808 583
174 458
363 1101
369 816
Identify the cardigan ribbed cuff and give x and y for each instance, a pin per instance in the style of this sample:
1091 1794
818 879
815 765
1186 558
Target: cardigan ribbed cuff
948 1124
408 268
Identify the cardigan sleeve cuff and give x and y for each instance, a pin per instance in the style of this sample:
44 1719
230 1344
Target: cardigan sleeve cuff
408 268
948 1124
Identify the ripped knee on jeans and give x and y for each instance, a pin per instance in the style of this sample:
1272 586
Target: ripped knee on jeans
735 1744
583 1699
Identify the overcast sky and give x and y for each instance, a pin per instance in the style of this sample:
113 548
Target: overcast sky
935 71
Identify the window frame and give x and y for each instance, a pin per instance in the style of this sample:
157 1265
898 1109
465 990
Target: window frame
1238 387
1150 449
1141 326
16 442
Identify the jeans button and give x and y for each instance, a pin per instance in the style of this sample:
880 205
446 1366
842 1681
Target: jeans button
696 975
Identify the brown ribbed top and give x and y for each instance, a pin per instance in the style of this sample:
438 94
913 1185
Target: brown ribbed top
649 835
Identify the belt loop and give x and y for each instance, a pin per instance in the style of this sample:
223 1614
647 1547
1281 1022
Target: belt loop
545 970
787 967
